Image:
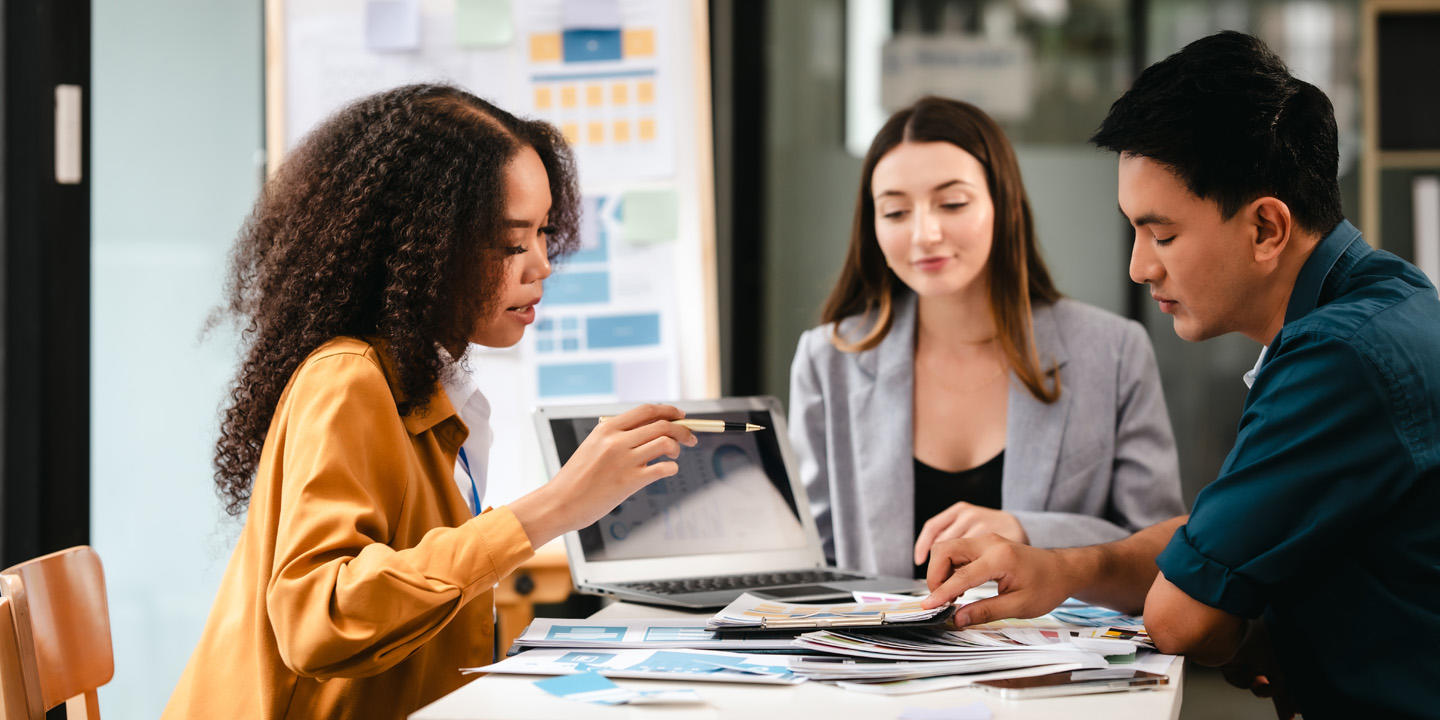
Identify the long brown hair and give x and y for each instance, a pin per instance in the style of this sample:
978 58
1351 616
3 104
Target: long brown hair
385 224
1018 278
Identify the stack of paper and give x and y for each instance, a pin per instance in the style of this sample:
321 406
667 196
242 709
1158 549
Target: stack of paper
909 654
752 611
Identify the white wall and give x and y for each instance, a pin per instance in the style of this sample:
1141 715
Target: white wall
177 128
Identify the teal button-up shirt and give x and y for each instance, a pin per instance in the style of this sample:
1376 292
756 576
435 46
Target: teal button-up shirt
1326 515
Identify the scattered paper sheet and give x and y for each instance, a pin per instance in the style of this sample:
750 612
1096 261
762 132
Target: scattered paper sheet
595 688
703 665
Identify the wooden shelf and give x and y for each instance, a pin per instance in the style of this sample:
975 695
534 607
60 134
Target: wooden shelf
1419 159
1372 158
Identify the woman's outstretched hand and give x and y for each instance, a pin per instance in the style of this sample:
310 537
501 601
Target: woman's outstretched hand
612 463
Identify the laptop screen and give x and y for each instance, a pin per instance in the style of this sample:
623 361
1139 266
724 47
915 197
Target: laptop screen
731 495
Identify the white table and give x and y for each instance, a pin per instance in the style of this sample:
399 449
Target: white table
515 696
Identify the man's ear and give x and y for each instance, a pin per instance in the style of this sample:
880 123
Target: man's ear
1274 227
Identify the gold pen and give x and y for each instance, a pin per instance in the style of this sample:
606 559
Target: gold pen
698 425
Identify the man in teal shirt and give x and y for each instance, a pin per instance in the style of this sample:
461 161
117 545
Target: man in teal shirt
1325 518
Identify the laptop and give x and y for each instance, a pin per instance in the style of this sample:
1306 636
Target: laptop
735 518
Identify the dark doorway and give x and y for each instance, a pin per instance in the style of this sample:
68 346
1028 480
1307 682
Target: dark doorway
45 279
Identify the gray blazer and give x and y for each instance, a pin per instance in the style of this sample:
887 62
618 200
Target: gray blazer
1094 466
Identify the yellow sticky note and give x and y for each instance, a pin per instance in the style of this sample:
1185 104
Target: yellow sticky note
571 131
645 92
647 129
545 47
542 98
622 131
568 96
596 133
639 42
594 95
619 94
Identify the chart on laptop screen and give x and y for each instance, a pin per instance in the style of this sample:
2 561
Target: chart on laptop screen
731 495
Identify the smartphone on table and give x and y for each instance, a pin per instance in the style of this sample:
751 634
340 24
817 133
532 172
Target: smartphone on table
1074 682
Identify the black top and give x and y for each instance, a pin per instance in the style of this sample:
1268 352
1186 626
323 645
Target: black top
936 490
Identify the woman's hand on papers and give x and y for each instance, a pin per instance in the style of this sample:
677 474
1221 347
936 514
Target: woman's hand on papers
964 520
612 463
1032 581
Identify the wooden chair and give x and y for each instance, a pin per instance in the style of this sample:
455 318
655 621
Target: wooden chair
62 632
12 678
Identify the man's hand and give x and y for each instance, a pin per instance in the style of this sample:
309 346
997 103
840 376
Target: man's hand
964 520
1032 581
1255 668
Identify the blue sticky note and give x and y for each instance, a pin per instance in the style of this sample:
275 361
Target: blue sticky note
590 45
592 378
618 331
571 288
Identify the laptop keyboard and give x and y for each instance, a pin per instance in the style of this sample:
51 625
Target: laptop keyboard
738 582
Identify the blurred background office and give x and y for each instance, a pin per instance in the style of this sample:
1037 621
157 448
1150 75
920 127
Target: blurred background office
116 242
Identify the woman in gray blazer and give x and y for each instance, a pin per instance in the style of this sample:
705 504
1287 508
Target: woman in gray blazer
951 391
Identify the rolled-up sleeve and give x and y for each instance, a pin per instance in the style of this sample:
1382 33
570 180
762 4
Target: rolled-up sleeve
343 602
1318 460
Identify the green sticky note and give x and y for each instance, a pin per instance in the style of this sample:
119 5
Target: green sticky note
483 23
648 217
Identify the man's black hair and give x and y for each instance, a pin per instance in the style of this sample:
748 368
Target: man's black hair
1228 118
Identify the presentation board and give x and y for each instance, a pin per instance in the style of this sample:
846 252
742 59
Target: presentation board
632 316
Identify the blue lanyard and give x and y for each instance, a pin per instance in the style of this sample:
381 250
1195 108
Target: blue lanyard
474 492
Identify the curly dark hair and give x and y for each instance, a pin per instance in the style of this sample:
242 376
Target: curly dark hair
385 224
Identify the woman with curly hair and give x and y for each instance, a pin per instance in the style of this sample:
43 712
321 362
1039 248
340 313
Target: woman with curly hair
409 225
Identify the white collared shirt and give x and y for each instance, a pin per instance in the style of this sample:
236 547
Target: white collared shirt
1249 376
474 411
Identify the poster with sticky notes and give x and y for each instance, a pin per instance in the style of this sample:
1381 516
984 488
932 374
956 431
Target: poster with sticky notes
630 315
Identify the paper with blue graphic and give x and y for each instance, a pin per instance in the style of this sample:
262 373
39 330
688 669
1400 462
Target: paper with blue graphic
703 665
594 688
654 633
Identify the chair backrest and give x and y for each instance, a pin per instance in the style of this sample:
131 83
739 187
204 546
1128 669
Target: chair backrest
12 678
62 627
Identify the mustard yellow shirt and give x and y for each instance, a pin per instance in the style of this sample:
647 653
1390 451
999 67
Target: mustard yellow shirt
361 583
